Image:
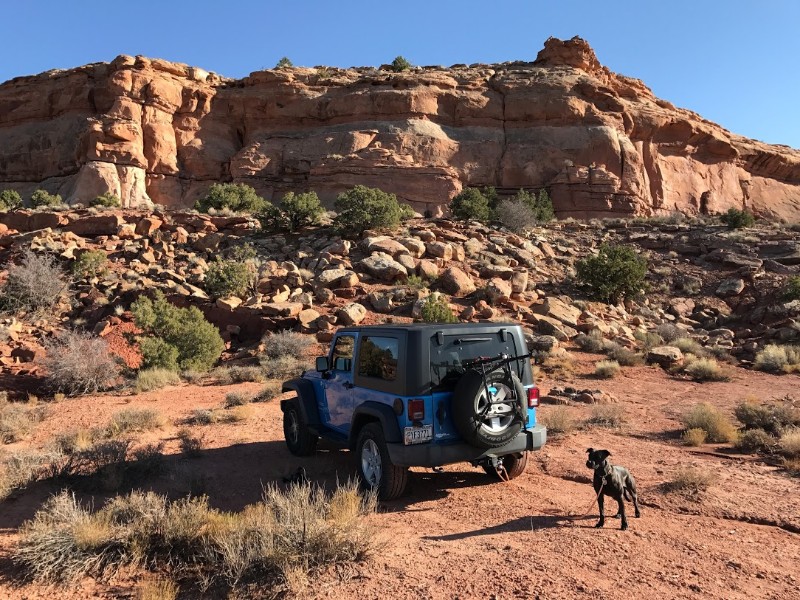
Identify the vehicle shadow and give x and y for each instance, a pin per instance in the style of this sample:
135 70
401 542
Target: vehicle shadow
430 486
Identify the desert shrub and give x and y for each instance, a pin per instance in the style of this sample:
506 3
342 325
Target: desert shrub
471 204
705 369
400 64
695 437
158 354
198 341
10 200
235 399
77 440
689 346
606 369
18 420
106 200
772 418
37 283
24 467
228 278
608 415
669 332
778 359
791 465
78 364
285 343
435 309
754 440
268 392
515 215
201 416
363 208
690 480
155 378
282 367
90 264
791 290
43 198
617 272
236 414
622 355
134 419
295 211
591 342
230 375
790 443
190 444
558 420
157 588
237 197
717 426
648 339
738 219
540 205
284 63
416 282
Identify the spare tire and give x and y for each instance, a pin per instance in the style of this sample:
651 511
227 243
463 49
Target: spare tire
493 420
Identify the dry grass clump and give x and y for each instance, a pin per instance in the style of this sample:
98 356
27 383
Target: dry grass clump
18 420
688 346
36 284
778 359
791 466
690 481
695 436
237 414
772 418
669 332
285 343
754 440
559 366
231 375
235 399
624 356
78 364
606 369
134 419
201 416
23 467
77 440
155 378
607 415
649 339
157 588
191 444
790 443
591 342
282 367
704 369
717 426
558 420
268 392
301 528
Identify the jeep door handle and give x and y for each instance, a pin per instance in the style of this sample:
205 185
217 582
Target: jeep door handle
348 385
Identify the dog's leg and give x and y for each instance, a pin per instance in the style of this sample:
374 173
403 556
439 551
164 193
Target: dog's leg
621 503
602 520
631 486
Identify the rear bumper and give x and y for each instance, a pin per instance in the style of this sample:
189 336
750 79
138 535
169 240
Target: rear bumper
435 455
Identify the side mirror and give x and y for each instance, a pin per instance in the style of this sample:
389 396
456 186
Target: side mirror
322 364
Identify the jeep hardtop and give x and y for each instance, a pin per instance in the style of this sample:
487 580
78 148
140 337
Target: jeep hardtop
422 395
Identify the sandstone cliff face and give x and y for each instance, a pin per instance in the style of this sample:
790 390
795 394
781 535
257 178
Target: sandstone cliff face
158 132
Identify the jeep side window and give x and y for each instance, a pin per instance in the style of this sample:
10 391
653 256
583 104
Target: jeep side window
378 358
342 358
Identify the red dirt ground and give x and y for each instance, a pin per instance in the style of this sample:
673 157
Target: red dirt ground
458 534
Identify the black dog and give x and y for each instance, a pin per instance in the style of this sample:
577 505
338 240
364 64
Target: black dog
614 482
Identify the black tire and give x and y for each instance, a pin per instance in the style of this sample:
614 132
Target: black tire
299 439
513 465
478 427
375 469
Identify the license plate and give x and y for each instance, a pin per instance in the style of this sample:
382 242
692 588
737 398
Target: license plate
418 435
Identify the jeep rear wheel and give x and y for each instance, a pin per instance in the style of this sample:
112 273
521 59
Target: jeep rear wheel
299 439
375 469
513 465
488 415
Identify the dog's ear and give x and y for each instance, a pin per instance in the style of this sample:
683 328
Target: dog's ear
604 454
590 450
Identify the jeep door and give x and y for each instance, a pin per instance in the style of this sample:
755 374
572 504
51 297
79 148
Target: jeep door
338 409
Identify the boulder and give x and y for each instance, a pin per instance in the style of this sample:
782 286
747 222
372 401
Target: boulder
665 356
441 250
498 290
351 314
557 308
336 278
457 283
730 287
230 303
282 309
427 269
386 245
148 225
96 225
384 268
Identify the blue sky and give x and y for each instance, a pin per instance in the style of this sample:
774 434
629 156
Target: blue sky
733 61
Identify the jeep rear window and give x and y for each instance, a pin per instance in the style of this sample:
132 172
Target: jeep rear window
448 358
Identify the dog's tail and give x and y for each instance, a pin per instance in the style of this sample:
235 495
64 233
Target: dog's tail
627 494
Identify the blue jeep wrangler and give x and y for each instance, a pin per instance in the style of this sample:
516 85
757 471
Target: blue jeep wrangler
419 395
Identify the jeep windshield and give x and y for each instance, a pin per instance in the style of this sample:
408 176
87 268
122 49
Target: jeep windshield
451 355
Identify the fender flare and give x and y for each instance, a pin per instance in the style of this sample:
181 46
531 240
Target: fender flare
375 411
306 399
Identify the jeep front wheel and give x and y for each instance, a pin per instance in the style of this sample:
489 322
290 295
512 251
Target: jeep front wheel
375 469
299 439
513 465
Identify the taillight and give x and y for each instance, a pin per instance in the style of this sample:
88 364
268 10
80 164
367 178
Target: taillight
533 397
416 410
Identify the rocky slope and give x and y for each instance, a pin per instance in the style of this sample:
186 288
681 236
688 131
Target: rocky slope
158 132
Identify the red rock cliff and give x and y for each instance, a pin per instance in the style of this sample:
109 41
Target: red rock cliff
154 131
